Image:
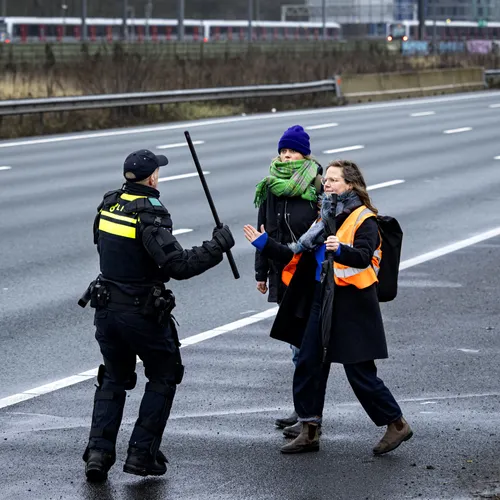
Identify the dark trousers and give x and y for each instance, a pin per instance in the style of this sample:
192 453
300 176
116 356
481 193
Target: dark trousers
311 377
123 335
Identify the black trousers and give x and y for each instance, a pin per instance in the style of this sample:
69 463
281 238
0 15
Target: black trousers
122 335
311 377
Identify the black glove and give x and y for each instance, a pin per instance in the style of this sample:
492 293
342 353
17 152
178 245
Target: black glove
223 237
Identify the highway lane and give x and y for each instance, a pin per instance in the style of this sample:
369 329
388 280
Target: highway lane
48 200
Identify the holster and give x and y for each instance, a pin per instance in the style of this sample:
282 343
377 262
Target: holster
159 304
99 296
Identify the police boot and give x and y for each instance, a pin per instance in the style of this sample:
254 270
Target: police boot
98 463
307 440
141 463
292 419
293 431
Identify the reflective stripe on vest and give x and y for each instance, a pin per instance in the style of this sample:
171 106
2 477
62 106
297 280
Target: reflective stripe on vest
120 225
345 275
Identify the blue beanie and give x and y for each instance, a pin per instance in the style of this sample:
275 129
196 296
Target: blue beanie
295 138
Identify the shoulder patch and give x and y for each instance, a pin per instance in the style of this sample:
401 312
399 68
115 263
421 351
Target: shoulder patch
155 202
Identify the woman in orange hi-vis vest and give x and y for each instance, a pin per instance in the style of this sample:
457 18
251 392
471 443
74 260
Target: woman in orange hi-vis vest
357 336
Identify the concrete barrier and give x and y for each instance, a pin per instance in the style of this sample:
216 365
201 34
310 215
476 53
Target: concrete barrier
372 87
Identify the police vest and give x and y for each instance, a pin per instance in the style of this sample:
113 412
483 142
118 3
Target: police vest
345 275
117 233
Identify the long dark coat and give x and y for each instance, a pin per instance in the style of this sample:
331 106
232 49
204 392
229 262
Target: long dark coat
285 219
357 328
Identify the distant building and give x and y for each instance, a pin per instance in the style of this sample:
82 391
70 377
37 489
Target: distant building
383 11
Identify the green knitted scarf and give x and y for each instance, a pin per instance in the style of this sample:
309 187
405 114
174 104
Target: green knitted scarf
291 179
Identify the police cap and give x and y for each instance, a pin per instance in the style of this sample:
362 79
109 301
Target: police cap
139 165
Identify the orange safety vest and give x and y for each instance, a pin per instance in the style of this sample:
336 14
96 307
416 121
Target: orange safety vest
345 275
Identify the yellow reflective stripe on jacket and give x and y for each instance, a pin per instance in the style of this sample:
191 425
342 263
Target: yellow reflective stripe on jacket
345 275
119 217
130 197
117 229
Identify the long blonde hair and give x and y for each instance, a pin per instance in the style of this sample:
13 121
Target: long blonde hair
353 176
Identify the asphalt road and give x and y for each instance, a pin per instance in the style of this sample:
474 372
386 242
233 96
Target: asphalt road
220 440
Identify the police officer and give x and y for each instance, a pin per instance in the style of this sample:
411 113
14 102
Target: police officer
138 254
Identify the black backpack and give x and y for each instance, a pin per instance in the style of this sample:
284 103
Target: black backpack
392 240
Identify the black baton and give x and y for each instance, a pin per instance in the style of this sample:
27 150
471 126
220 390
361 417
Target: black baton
218 223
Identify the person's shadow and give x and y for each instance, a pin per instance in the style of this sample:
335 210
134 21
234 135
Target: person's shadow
145 489
150 489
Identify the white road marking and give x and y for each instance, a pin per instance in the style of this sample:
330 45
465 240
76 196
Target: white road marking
176 232
457 130
5 168
323 125
236 119
341 150
497 158
424 113
267 314
495 105
385 184
179 145
459 245
428 403
469 350
177 177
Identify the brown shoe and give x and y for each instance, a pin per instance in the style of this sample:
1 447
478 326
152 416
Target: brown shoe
393 437
307 440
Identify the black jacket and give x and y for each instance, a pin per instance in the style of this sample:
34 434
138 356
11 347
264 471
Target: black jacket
127 261
357 328
285 220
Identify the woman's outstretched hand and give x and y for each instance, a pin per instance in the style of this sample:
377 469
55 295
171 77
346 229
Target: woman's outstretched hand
251 234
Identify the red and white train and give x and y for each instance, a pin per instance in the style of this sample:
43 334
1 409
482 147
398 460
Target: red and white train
59 29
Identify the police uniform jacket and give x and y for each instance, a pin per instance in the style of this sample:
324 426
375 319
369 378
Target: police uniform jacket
133 234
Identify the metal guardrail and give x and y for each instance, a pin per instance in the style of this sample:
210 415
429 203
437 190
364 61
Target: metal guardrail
59 104
334 85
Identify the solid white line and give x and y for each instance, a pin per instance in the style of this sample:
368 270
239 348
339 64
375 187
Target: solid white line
385 184
426 257
341 150
497 158
236 119
5 168
176 232
424 113
457 130
269 313
324 125
179 145
177 177
495 105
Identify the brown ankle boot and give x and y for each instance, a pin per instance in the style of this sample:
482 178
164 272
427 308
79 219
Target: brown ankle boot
307 440
396 433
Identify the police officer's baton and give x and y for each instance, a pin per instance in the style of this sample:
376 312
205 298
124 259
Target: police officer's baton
218 223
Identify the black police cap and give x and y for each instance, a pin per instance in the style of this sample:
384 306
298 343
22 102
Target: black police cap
139 165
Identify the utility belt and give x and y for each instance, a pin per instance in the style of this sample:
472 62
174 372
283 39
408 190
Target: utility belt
157 304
